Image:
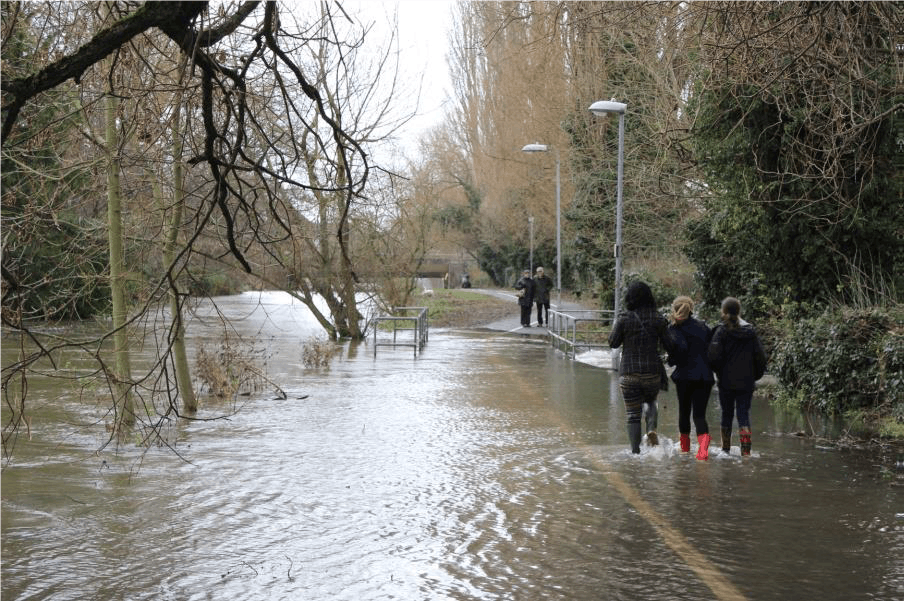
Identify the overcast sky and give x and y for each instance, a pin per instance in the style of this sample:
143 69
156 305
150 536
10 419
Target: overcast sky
423 42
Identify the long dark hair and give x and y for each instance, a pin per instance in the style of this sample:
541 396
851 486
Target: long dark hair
731 311
638 296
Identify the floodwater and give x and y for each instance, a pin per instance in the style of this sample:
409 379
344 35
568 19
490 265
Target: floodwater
488 467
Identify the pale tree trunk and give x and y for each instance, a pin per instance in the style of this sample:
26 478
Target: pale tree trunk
122 376
180 358
346 282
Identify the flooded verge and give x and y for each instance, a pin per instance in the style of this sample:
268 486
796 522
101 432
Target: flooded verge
489 467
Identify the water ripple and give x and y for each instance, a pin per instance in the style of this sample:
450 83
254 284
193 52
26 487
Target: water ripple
481 470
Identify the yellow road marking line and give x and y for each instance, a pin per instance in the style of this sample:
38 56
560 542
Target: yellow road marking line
721 587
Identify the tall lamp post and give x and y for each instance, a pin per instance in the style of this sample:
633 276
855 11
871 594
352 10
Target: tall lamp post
545 148
530 220
602 108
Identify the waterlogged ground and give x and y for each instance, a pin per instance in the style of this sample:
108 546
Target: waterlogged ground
489 467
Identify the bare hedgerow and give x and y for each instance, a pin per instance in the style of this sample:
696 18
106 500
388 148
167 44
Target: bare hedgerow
317 352
230 370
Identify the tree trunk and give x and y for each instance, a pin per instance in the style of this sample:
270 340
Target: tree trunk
180 358
122 376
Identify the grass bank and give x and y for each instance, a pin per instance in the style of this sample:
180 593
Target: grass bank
463 308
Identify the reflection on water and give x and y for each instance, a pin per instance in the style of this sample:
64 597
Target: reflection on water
487 468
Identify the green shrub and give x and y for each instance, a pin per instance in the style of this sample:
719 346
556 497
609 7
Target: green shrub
214 284
843 361
664 291
60 269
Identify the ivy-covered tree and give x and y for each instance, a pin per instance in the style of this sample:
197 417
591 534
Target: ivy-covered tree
54 248
794 135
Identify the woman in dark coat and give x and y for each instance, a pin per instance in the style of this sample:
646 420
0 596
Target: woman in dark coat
737 356
526 298
640 329
693 376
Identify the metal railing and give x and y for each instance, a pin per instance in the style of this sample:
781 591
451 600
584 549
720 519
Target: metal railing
414 319
583 329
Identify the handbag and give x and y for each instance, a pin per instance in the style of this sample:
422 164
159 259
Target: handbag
519 293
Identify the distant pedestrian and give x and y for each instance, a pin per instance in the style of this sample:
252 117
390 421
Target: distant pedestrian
640 329
543 285
692 375
525 287
737 356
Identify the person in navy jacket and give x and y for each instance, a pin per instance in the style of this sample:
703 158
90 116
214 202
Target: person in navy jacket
737 356
692 375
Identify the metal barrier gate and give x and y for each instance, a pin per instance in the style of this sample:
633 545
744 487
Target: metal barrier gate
414 319
584 328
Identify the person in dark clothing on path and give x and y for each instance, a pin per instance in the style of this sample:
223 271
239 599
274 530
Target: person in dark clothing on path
543 285
693 376
737 356
640 329
525 287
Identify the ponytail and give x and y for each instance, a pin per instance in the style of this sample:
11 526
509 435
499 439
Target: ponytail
731 312
682 307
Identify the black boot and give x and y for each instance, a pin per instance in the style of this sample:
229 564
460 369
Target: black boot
634 437
652 415
726 440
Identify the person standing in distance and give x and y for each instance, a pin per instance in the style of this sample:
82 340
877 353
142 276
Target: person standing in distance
525 287
737 356
543 284
640 329
692 375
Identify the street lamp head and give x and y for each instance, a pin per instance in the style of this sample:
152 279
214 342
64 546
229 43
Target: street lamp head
604 107
535 148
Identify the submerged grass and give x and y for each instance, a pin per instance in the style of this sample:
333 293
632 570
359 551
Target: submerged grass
463 308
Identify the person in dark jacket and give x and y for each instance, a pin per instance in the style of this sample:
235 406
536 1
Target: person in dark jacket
526 288
640 330
737 356
541 295
692 375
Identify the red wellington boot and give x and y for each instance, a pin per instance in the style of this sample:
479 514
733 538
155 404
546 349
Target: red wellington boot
685 440
703 451
745 441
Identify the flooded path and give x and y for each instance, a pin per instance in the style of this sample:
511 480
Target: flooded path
490 467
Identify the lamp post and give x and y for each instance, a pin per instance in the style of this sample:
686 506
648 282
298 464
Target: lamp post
545 148
530 220
602 108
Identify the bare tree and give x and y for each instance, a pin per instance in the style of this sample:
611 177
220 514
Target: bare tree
510 89
265 128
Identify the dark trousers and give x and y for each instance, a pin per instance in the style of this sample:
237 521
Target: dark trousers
735 402
542 317
640 392
525 315
693 397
